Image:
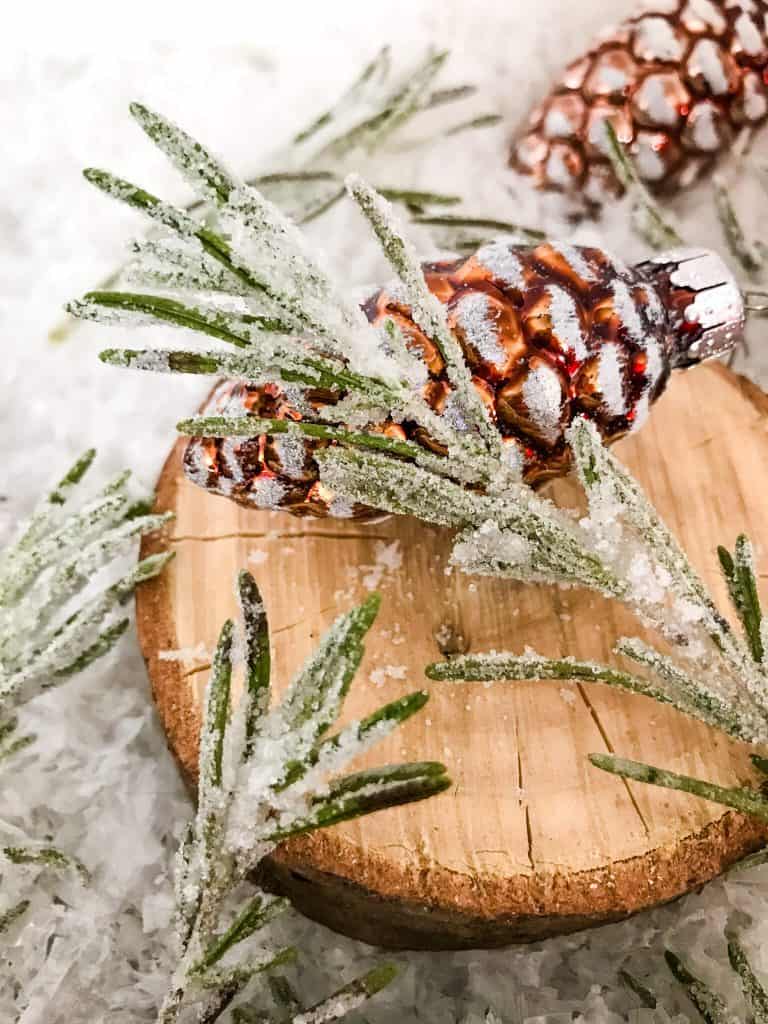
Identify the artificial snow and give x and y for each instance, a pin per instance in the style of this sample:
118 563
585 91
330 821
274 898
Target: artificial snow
102 780
388 559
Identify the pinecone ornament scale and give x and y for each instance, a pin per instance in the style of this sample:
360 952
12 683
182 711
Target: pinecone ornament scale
678 82
549 332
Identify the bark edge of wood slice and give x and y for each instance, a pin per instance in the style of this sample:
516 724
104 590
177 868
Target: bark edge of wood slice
531 841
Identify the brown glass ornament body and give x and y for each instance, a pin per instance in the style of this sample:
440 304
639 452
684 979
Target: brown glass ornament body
549 332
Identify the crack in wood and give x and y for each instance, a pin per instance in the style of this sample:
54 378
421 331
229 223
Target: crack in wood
273 632
609 745
593 712
529 835
528 826
195 671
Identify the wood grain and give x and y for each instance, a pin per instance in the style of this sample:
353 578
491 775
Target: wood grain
531 840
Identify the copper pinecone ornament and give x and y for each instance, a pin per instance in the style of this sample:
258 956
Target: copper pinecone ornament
550 333
678 82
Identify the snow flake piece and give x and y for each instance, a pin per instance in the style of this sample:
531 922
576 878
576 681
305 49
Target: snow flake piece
655 365
566 325
543 396
292 452
267 492
499 258
389 558
341 507
490 550
575 260
380 675
610 379
474 315
187 655
626 308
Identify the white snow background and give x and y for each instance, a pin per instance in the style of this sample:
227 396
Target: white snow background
241 77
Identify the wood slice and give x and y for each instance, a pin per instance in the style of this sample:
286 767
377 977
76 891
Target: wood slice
531 840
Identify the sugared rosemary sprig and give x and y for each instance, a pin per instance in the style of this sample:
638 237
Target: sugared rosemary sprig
47 632
50 632
264 777
307 178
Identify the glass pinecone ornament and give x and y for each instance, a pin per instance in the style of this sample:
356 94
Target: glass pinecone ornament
550 332
677 82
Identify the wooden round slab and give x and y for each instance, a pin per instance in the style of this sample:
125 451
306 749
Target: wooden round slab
531 840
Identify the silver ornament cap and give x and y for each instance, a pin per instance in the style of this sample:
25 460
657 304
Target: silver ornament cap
705 306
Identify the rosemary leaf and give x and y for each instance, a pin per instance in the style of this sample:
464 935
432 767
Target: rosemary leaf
41 518
755 994
242 974
680 690
739 572
479 121
46 857
216 713
647 218
193 160
283 993
248 804
389 794
349 997
377 726
9 750
270 362
394 486
9 917
505 666
63 649
174 219
317 692
417 199
643 993
373 131
375 68
255 915
416 771
253 426
226 984
743 251
695 697
257 655
747 801
711 1007
238 330
103 644
483 225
